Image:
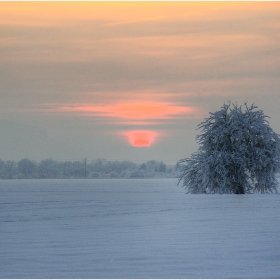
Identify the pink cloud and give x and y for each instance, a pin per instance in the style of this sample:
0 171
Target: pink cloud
136 112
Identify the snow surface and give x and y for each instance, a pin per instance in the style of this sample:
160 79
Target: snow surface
147 228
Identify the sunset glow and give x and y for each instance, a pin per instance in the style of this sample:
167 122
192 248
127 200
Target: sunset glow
141 138
102 75
134 111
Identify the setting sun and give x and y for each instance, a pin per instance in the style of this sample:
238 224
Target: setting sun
141 138
141 143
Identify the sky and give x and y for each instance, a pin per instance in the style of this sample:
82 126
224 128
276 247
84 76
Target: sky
130 80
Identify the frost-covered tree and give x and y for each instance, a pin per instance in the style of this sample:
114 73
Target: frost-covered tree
239 153
10 170
48 169
162 167
26 168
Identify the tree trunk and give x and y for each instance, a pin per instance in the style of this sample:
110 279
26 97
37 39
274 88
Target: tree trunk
240 190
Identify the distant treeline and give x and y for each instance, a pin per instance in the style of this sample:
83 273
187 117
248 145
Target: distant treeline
97 169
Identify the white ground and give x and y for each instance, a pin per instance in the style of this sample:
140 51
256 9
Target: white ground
134 229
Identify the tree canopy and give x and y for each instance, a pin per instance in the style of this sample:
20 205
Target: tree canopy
239 153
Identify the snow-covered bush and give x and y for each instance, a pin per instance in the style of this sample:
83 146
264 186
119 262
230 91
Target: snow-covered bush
239 153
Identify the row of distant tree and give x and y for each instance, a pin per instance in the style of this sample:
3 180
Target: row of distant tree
99 168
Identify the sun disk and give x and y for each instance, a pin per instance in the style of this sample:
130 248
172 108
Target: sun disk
141 138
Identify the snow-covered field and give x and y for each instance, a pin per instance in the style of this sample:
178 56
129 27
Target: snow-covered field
134 229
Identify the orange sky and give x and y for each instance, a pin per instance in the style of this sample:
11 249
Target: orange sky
112 12
86 70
